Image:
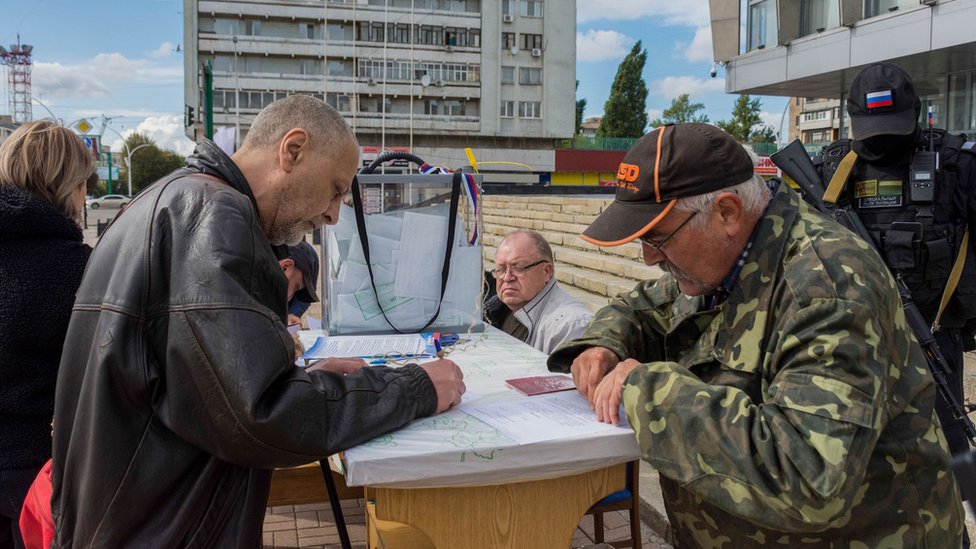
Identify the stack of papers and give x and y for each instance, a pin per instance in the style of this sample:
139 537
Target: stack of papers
367 346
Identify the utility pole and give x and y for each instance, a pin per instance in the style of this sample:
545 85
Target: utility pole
109 153
208 99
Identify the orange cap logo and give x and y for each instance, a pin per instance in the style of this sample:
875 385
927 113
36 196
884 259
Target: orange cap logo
628 172
626 175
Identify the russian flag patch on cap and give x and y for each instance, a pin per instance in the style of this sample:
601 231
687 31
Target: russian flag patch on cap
878 99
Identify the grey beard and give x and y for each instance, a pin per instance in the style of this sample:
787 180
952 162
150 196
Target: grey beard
703 287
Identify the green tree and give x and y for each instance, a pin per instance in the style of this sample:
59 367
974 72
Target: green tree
625 112
681 110
149 163
745 119
580 107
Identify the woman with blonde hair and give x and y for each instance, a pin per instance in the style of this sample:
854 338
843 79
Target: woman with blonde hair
44 171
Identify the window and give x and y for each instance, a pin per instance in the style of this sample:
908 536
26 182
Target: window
307 30
337 101
508 7
818 15
530 109
530 76
508 75
338 32
227 26
337 67
531 41
374 104
252 28
873 8
507 109
815 116
370 32
453 108
531 8
762 24
508 40
430 106
961 99
399 34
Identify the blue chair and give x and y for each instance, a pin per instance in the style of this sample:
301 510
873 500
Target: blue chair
626 499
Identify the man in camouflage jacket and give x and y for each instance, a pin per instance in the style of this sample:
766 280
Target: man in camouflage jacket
784 402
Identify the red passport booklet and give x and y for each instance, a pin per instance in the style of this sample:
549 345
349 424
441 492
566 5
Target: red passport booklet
540 385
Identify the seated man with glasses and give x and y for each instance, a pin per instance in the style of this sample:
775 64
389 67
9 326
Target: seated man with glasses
529 304
770 375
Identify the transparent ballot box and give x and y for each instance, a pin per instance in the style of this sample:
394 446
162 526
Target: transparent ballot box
406 221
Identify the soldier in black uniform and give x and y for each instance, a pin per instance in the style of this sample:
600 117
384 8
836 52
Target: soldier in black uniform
915 190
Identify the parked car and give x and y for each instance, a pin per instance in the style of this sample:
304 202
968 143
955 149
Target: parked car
109 201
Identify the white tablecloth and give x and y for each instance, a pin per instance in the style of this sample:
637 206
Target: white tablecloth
457 449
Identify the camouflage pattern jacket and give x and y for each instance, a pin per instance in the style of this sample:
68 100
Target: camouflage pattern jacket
799 412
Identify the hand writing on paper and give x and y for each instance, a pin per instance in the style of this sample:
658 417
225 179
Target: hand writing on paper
448 381
590 367
606 397
338 365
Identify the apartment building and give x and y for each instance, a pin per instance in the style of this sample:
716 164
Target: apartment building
815 48
428 76
814 120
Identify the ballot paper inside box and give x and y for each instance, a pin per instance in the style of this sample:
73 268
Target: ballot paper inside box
406 219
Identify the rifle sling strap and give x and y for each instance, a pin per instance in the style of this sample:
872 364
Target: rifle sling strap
954 275
840 177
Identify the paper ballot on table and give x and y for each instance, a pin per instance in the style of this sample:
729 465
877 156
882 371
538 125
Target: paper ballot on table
407 346
547 417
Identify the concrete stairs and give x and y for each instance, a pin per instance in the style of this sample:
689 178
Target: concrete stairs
591 273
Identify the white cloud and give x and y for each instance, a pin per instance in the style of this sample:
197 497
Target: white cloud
673 86
602 45
654 114
701 45
164 50
693 13
771 119
166 131
57 80
96 77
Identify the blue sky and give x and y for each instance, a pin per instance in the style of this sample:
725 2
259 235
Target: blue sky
119 59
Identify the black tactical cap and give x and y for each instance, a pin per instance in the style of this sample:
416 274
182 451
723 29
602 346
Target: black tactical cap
669 163
882 101
307 263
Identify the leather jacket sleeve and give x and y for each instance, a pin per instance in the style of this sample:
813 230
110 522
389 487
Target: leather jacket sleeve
221 371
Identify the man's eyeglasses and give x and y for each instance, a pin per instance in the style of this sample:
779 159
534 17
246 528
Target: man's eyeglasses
517 270
658 244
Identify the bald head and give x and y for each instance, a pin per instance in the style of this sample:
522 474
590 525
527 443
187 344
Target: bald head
323 123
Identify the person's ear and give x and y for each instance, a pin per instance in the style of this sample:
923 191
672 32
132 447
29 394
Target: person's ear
549 270
293 148
730 213
286 263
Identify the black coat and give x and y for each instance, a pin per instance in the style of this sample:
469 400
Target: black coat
42 258
186 394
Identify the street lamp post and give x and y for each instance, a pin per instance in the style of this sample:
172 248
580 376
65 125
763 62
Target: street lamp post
128 164
38 101
105 126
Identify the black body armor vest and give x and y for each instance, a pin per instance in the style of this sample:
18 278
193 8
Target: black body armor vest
917 239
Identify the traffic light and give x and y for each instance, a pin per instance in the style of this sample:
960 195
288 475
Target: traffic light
189 116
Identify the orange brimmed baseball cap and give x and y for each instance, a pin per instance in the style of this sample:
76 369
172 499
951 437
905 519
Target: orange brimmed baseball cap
671 162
